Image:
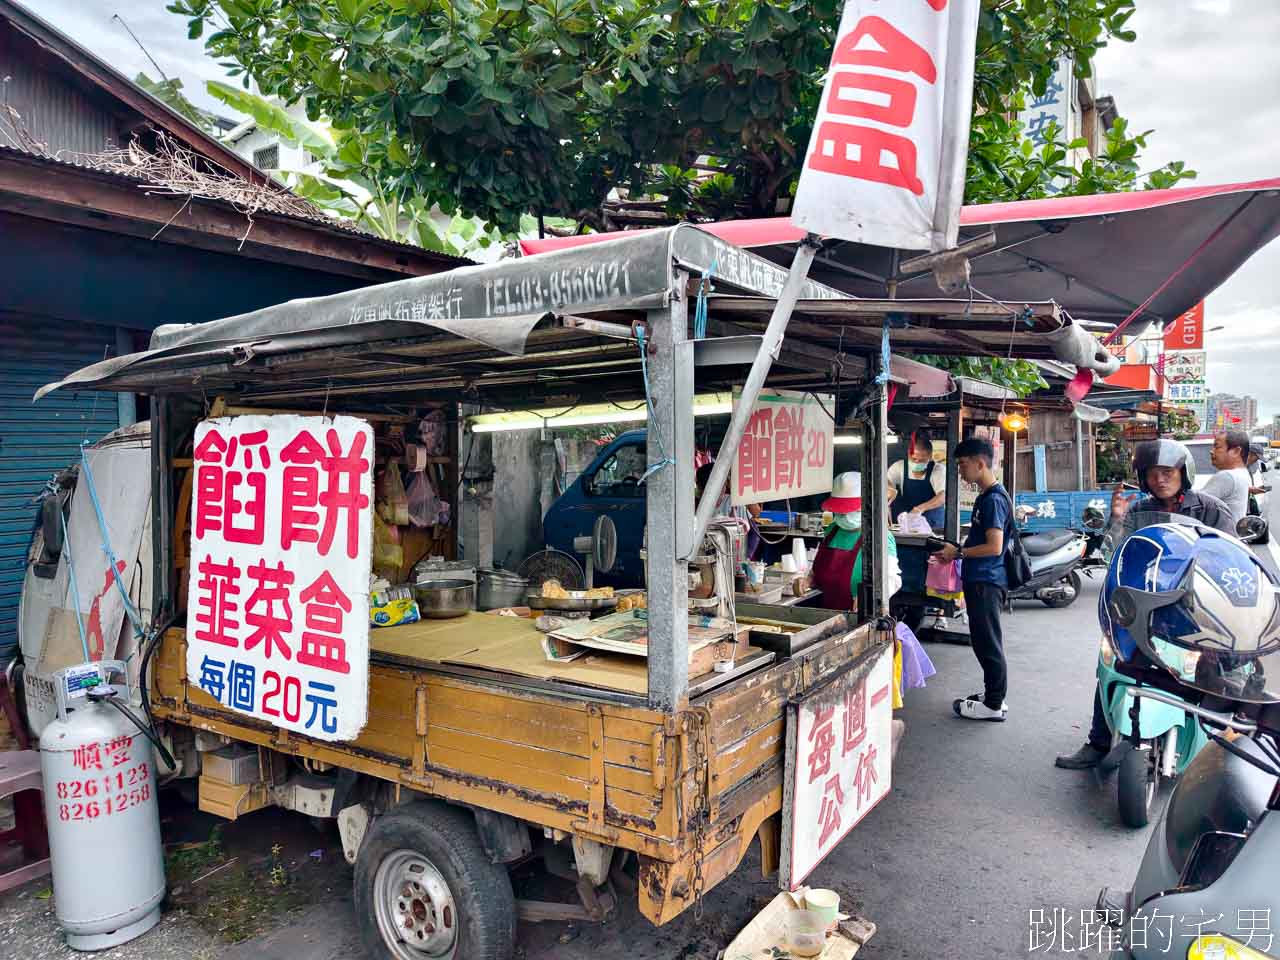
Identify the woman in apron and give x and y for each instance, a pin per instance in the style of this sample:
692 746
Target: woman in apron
837 569
918 482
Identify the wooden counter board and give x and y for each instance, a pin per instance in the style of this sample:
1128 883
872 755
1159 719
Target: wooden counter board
506 644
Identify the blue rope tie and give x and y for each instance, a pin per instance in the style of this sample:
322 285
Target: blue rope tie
700 309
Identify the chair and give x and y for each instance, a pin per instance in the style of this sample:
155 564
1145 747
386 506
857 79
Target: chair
21 779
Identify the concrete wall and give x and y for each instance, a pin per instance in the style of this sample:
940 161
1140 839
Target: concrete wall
517 496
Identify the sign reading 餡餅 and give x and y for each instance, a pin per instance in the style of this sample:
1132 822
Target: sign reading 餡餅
886 161
281 535
839 760
788 448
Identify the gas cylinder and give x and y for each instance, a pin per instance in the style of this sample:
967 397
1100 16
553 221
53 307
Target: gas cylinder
100 807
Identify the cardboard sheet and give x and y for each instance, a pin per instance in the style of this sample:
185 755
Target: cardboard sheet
509 645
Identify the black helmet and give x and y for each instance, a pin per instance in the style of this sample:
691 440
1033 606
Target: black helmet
1163 453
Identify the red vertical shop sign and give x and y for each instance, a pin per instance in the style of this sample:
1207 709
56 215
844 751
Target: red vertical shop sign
1187 331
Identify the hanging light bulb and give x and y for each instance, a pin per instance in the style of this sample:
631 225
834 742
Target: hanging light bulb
1013 421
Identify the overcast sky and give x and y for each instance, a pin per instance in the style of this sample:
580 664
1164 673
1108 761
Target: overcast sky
1203 74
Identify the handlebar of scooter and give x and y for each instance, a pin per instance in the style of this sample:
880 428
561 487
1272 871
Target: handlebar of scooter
1214 717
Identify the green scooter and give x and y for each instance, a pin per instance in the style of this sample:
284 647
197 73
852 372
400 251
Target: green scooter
1167 740
1153 740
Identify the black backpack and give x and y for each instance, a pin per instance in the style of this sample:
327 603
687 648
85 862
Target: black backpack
1017 564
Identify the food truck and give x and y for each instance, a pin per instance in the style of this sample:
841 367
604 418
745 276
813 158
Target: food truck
650 755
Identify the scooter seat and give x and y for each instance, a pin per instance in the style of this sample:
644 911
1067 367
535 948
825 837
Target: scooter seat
1041 544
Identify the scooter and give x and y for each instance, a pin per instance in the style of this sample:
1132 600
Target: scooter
1055 556
1207 884
1157 740
1206 888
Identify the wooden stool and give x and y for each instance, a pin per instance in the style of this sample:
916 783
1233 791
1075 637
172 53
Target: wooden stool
20 778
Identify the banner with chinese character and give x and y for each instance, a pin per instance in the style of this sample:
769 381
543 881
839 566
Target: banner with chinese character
1056 105
788 449
1186 332
886 160
281 536
838 764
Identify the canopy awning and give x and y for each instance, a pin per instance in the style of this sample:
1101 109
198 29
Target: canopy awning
1099 257
562 323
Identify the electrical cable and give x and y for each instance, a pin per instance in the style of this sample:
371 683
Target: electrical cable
664 460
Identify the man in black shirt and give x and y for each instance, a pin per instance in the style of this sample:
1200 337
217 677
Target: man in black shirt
1165 473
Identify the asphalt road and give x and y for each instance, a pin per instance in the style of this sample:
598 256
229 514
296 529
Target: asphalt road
978 830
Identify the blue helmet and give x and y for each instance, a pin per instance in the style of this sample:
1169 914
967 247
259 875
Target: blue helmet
1198 603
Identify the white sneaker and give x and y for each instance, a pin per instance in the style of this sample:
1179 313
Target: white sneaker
972 708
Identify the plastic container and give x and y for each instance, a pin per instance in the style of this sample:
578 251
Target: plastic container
823 904
804 933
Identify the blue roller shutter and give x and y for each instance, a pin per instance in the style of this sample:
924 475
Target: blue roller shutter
38 439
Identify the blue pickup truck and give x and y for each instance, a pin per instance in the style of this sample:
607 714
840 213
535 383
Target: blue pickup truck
610 485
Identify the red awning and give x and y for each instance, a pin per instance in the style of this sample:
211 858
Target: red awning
1098 256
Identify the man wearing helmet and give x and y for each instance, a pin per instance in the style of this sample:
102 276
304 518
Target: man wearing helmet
1166 473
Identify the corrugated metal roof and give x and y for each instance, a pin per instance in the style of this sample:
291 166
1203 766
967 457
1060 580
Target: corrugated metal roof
318 218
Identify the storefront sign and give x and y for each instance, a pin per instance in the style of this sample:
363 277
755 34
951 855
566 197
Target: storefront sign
788 449
1055 106
1184 366
886 161
838 763
1186 392
281 537
1187 331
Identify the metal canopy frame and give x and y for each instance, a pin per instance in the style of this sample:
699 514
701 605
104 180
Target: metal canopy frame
562 327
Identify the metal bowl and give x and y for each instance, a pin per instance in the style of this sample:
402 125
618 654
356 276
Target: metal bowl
443 599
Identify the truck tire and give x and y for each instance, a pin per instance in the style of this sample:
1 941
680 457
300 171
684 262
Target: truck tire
1136 787
424 889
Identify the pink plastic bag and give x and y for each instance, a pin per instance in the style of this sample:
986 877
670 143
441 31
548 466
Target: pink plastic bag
943 576
424 505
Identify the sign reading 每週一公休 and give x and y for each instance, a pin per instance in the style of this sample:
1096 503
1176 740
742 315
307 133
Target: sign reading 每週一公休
788 449
838 763
281 541
886 161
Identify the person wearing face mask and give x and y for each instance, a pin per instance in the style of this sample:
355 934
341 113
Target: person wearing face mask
837 569
916 483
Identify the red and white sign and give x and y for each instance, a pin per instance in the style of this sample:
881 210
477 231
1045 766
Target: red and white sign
281 540
788 449
839 760
886 161
1187 331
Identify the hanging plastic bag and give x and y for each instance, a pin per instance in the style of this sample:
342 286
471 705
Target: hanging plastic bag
393 502
943 576
432 433
424 505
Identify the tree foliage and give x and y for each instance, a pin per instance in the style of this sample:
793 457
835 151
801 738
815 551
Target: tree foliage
499 108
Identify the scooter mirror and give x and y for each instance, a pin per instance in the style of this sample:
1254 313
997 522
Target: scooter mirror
1252 529
1093 518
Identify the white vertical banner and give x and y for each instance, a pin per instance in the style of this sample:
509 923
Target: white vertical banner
886 161
281 545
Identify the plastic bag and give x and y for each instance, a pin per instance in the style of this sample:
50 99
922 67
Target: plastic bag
943 576
432 433
424 506
913 523
393 502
